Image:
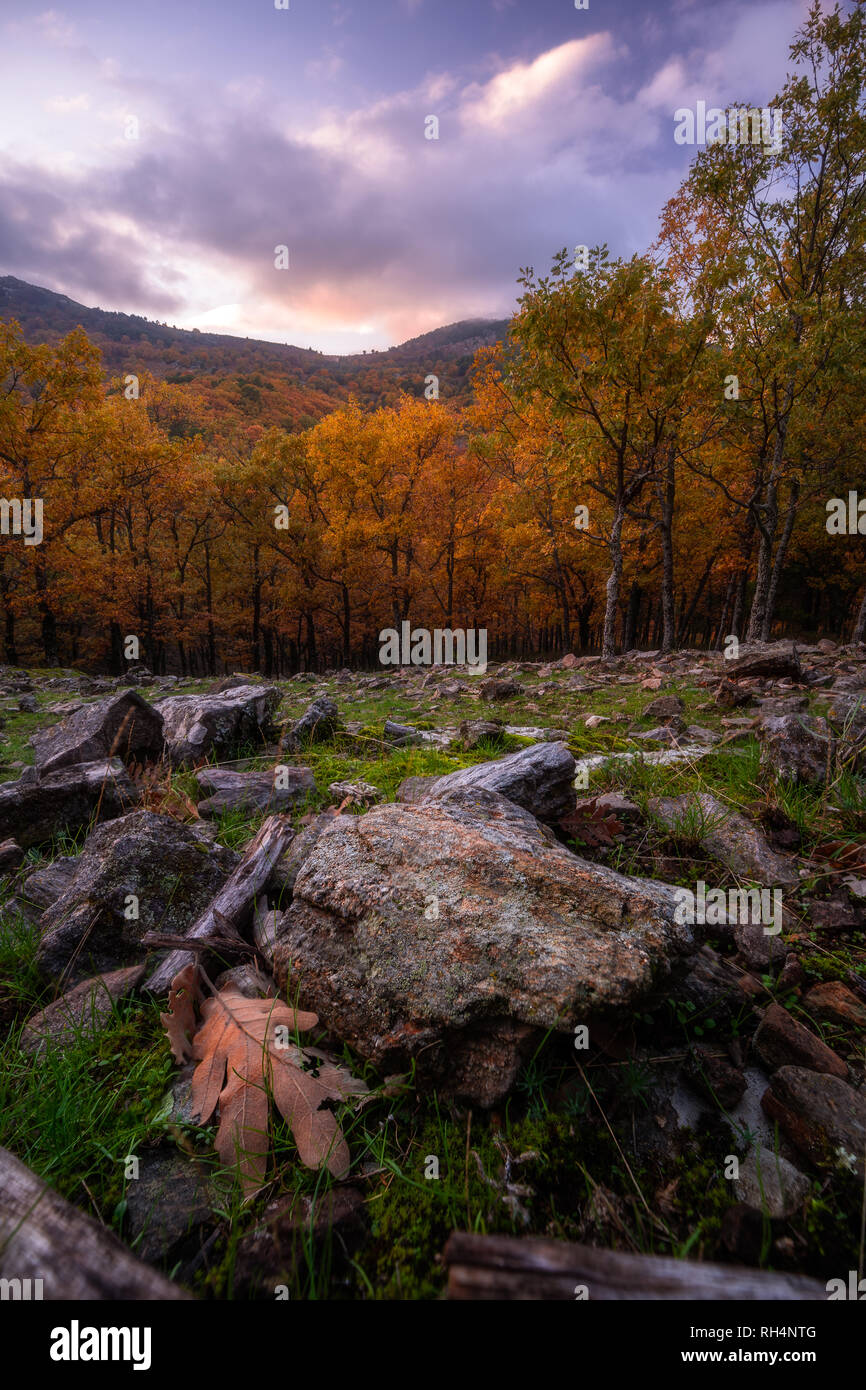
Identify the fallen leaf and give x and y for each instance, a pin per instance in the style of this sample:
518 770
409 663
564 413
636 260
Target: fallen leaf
246 1058
180 1021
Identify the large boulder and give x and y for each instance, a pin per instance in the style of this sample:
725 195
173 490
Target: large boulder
277 789
123 726
36 806
794 746
144 872
539 778
197 726
452 931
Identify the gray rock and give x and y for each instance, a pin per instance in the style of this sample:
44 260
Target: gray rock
794 747
359 793
759 950
696 733
475 731
318 724
287 867
539 778
11 856
173 871
253 791
44 886
168 1207
770 1183
731 839
37 806
775 660
495 690
123 726
664 707
197 726
401 735
81 1011
449 931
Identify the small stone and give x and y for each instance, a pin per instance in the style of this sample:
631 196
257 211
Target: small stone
822 1115
359 793
832 1002
782 1041
494 690
665 707
82 1010
771 1184
715 1076
11 856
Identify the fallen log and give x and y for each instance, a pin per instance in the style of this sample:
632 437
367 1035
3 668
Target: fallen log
234 902
538 1268
45 1238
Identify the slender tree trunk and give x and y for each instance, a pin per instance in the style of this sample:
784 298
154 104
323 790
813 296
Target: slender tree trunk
859 633
779 562
723 619
614 579
667 499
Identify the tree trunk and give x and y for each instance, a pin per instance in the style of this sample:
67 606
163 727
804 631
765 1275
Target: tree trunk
859 633
608 641
779 562
666 525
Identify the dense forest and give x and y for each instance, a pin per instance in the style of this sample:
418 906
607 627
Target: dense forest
659 451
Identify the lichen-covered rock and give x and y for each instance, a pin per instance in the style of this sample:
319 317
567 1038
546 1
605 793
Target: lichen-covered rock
169 1206
124 726
278 789
539 778
794 747
145 864
39 805
197 726
449 931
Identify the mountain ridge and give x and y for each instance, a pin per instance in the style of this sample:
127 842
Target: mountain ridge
29 303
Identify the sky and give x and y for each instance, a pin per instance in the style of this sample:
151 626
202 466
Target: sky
153 157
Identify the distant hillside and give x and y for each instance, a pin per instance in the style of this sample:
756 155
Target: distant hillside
276 382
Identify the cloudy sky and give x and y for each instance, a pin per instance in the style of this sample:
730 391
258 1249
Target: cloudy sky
259 127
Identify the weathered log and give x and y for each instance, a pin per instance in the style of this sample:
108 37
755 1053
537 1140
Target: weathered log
235 899
43 1237
537 1268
